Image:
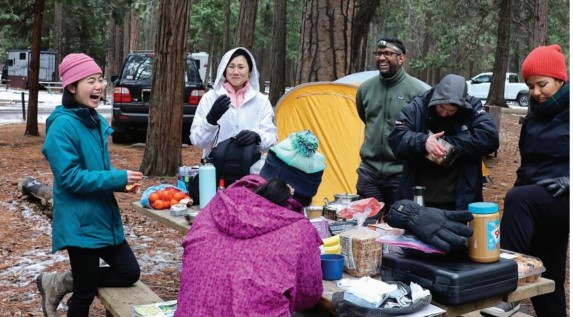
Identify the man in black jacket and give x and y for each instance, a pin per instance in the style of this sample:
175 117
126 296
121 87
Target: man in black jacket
451 170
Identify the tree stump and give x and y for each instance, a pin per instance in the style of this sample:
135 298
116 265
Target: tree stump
31 187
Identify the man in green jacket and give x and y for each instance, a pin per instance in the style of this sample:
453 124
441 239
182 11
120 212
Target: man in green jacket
379 101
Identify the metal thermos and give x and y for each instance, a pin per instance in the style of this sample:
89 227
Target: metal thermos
419 194
207 183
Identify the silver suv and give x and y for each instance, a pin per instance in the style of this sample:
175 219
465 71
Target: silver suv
132 90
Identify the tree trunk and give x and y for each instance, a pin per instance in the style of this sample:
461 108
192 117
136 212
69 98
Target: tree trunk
226 24
264 55
34 71
324 51
246 24
540 17
497 88
133 30
58 37
162 155
277 88
364 12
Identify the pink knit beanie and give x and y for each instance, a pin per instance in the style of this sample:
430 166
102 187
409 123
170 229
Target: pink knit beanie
545 61
77 66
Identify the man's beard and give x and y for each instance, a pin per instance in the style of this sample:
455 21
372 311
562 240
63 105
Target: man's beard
392 70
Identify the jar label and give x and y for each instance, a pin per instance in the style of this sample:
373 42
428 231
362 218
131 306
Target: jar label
493 235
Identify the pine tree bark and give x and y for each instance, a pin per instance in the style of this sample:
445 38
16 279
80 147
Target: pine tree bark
34 71
278 61
246 24
540 17
324 51
58 35
497 88
162 155
364 12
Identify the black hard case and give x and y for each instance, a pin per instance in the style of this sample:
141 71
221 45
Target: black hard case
452 282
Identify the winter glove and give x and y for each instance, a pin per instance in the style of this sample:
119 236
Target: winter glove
247 137
555 186
447 230
220 106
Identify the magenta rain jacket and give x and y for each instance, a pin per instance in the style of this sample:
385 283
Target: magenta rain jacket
245 256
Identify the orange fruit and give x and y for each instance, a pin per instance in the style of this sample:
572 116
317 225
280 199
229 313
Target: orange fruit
173 201
153 198
158 204
165 195
178 196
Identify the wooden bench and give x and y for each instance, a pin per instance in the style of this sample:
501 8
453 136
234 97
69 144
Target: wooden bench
52 86
118 300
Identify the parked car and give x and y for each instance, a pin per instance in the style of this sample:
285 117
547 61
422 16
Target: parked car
515 91
132 91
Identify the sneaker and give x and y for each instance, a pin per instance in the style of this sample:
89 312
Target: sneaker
502 309
53 287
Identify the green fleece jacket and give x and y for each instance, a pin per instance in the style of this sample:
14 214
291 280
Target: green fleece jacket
379 101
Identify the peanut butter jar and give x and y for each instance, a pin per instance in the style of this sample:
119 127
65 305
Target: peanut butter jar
483 245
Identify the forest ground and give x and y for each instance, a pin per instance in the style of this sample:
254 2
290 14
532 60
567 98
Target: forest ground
26 230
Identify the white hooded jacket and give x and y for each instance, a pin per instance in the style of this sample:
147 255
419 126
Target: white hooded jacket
255 114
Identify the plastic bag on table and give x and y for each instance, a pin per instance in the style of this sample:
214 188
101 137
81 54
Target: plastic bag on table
369 205
145 196
362 255
407 241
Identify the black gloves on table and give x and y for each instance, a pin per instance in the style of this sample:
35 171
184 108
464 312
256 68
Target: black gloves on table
220 106
555 186
247 137
447 230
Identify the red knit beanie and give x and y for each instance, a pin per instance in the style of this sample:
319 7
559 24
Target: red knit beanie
77 66
545 61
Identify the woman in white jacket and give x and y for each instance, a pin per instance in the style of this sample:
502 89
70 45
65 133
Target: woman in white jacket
235 107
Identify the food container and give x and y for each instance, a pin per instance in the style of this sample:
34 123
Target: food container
313 212
529 268
340 202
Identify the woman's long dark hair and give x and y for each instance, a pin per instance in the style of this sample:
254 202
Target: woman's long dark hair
276 191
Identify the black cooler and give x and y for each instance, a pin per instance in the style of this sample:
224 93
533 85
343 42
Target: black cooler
452 281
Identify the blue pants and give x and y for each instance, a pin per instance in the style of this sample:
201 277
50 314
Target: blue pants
123 270
537 224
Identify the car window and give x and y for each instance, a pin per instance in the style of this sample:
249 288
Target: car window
513 79
193 75
138 67
483 79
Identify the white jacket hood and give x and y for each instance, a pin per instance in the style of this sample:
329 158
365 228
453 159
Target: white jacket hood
253 77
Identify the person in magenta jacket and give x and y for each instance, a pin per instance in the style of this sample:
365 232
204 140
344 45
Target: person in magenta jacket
247 254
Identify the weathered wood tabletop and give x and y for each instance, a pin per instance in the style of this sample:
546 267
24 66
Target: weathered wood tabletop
541 286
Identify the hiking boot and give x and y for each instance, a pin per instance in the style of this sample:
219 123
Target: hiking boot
53 287
502 309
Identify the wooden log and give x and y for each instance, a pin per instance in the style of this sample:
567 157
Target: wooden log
31 187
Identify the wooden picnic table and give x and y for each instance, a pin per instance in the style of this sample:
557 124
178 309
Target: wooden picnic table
539 287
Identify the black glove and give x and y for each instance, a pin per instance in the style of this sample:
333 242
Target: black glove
247 137
447 230
220 106
556 186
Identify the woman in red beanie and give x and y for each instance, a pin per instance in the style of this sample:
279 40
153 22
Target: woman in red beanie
86 219
536 211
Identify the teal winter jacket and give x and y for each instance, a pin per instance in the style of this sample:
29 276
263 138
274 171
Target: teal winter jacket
85 211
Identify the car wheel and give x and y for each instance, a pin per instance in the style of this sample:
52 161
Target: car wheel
119 137
523 100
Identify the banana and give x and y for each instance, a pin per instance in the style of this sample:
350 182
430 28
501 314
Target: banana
331 241
335 249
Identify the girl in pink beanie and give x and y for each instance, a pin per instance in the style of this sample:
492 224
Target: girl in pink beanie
86 220
536 210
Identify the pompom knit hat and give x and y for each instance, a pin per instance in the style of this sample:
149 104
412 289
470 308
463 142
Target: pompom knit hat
545 61
296 161
77 66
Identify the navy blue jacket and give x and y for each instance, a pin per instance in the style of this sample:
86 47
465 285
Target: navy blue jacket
473 134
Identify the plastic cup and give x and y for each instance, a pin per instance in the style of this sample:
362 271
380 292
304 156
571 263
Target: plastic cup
332 265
